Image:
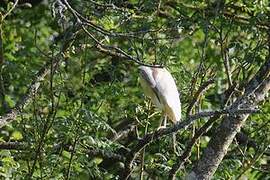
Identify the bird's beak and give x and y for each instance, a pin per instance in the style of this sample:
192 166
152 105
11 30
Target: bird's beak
141 70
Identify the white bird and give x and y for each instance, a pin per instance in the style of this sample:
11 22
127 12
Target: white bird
159 85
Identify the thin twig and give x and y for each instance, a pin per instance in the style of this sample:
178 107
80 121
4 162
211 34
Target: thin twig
111 50
224 55
10 10
145 132
71 156
198 94
115 51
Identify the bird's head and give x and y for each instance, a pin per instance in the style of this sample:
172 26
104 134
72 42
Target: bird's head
145 70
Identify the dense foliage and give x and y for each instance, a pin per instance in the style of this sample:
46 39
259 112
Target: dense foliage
70 70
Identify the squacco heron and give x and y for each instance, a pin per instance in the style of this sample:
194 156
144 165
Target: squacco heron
159 85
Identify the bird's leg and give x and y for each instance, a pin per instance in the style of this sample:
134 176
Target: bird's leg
163 121
136 132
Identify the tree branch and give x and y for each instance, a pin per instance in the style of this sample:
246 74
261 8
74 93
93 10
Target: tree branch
150 137
112 156
14 145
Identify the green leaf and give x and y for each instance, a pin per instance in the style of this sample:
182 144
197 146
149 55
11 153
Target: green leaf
16 135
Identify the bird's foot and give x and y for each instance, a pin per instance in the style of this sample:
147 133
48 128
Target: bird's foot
161 127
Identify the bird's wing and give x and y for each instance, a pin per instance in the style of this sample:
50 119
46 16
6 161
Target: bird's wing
167 90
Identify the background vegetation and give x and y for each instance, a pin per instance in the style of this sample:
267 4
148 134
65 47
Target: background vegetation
71 106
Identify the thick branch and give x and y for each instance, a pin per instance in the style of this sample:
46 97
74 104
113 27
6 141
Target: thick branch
14 145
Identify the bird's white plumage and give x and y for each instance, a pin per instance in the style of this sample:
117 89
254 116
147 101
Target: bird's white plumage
160 86
148 90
